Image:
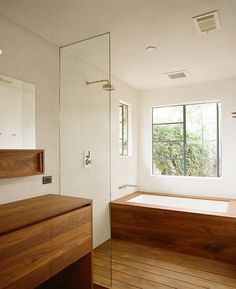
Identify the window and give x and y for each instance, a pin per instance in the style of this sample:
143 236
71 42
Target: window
123 129
186 140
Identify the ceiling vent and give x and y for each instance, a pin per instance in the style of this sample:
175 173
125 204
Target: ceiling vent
176 74
207 22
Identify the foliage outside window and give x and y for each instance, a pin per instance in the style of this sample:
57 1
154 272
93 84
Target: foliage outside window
186 140
123 129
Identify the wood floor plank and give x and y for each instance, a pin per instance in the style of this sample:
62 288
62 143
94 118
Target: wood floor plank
174 271
141 270
179 258
100 279
176 268
179 276
140 266
115 284
174 258
125 279
99 286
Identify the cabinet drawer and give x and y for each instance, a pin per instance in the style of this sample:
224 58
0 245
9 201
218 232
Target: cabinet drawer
71 238
25 257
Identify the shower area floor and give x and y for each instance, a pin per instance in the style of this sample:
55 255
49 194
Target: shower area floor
139 266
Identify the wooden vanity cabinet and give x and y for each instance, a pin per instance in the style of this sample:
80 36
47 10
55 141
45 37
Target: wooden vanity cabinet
46 241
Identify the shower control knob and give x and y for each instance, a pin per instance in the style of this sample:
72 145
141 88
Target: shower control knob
87 160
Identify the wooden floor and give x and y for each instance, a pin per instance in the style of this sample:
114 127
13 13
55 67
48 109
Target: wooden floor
138 266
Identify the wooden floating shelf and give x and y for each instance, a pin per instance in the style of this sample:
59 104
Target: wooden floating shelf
21 163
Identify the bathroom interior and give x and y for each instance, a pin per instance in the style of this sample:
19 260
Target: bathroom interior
117 144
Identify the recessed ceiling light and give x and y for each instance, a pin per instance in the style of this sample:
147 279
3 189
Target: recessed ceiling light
151 49
1 51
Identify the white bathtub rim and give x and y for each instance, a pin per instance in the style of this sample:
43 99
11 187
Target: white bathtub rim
182 203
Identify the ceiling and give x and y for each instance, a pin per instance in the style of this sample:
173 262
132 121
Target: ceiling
134 25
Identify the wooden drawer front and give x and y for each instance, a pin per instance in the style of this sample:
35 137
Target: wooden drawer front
25 257
71 238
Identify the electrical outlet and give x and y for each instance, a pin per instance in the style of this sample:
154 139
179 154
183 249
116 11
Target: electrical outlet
47 180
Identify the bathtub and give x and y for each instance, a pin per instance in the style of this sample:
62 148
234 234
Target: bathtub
204 227
190 204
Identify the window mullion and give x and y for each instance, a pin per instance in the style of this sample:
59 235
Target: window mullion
152 142
123 131
185 140
218 140
127 132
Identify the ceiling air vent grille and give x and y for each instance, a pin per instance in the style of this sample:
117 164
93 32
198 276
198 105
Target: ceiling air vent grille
207 22
176 74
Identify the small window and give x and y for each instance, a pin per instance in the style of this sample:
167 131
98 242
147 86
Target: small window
123 129
186 140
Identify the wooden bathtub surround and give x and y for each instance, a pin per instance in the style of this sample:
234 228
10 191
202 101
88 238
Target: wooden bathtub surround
201 234
21 162
46 238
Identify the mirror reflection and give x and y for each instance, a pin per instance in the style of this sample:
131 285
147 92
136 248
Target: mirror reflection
17 114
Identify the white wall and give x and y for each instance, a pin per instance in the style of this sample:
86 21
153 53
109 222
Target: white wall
124 169
225 91
28 57
85 126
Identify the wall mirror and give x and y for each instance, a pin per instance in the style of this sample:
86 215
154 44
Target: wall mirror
17 114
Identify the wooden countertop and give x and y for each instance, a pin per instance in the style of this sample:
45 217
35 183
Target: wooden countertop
231 212
19 214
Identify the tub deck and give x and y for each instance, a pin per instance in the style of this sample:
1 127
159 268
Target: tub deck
231 212
206 234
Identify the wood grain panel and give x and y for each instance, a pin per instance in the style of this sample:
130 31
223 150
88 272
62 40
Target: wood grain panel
19 163
71 238
15 215
76 275
208 236
25 257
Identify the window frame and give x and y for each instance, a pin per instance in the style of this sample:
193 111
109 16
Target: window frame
218 138
124 106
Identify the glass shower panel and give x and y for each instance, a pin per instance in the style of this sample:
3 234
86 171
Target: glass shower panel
85 93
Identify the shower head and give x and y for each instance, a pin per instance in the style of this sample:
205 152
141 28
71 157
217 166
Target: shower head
108 86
